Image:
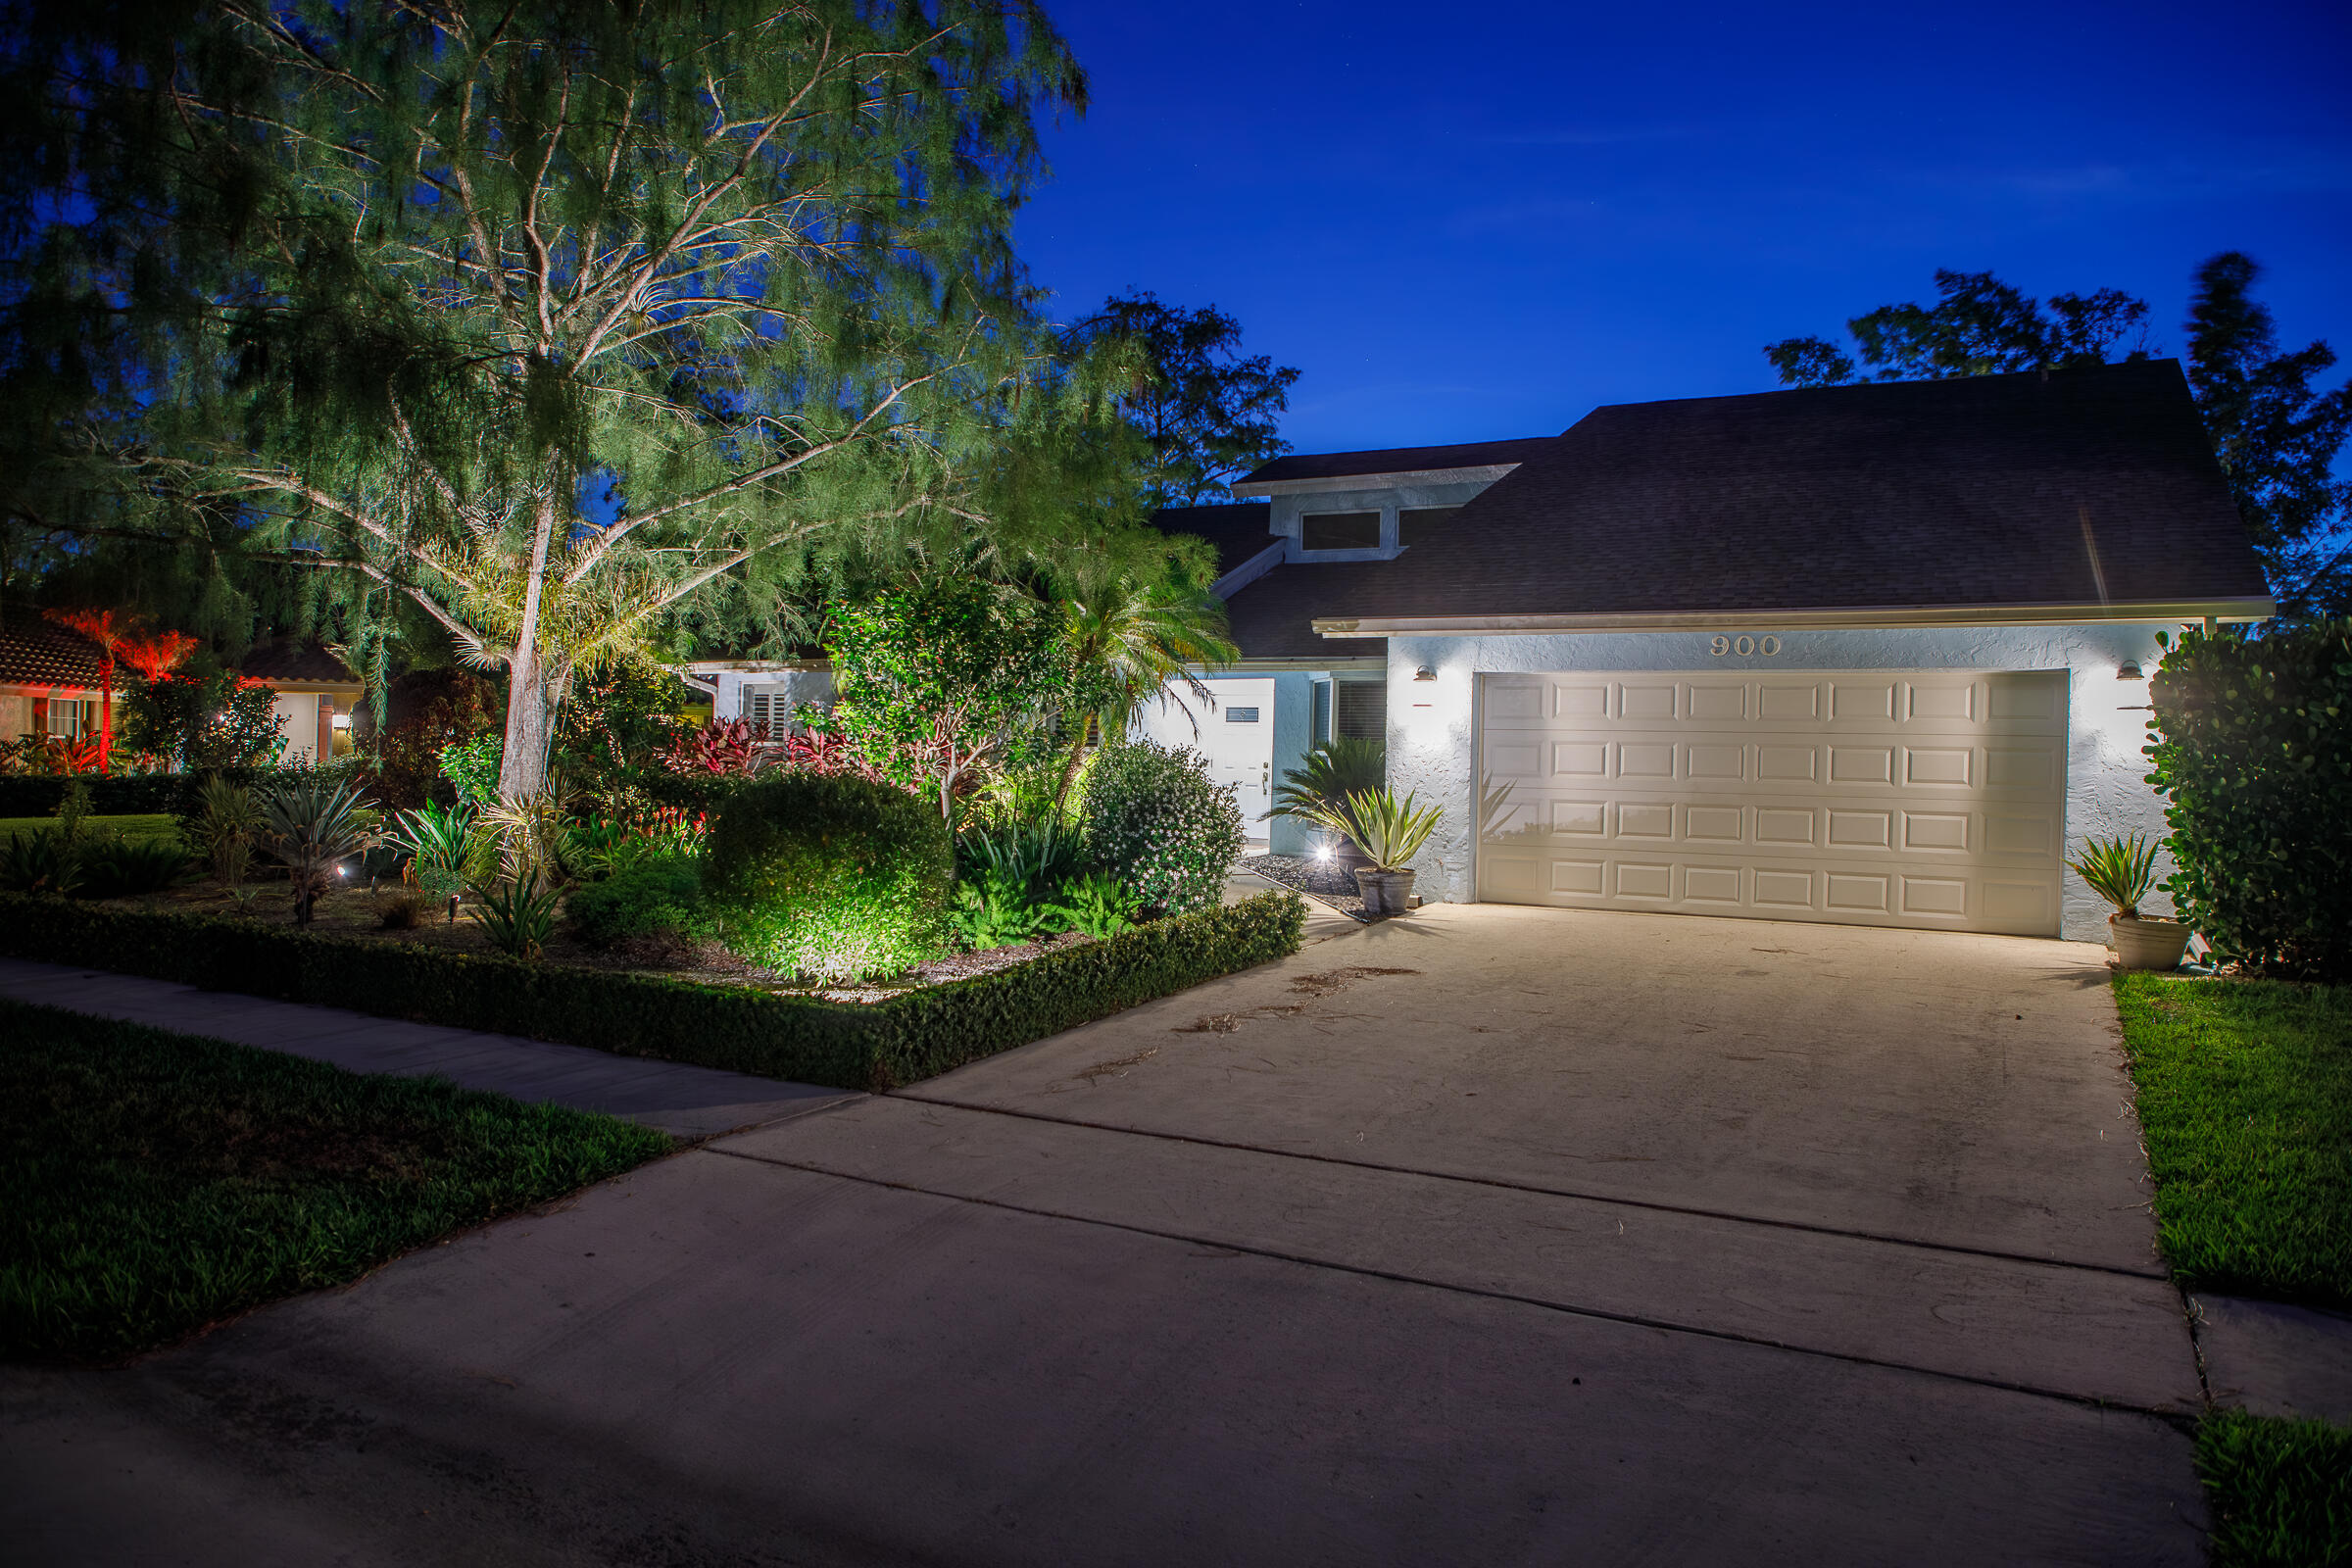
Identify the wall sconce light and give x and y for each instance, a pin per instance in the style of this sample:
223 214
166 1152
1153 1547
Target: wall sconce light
1425 673
2128 670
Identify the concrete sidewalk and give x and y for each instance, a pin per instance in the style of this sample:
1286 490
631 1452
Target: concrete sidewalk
687 1101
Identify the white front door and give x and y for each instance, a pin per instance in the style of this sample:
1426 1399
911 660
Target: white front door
1903 797
1234 730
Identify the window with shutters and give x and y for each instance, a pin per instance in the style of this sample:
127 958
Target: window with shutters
769 710
1339 530
1322 713
1361 709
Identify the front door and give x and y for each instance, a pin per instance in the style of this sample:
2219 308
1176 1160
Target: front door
1234 730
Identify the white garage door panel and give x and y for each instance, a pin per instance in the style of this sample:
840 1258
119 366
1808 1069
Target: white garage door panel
1926 798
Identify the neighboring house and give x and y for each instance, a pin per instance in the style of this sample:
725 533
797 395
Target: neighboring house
772 693
316 695
51 680
1871 654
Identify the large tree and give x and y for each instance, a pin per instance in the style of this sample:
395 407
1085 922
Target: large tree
1206 409
2277 437
1979 325
547 316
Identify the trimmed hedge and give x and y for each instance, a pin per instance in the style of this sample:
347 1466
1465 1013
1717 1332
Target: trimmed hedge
844 1045
126 794
2253 752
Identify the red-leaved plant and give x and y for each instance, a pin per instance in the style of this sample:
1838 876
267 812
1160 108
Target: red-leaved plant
722 747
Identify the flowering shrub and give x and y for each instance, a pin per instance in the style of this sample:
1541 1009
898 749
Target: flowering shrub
1159 826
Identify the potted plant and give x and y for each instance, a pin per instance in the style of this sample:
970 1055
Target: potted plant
2122 871
1339 767
1391 832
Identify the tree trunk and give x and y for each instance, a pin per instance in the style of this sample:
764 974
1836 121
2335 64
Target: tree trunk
532 689
532 697
106 711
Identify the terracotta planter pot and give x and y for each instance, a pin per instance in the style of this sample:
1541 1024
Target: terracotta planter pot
2146 942
1386 893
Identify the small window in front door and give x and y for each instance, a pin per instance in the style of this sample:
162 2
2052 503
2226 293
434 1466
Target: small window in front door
1241 716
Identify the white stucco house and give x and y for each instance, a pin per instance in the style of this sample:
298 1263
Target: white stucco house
1872 655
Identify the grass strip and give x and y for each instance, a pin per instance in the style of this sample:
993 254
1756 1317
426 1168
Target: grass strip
142 825
157 1182
2245 1106
2280 1490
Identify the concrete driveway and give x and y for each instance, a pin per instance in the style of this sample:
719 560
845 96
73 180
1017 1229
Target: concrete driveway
1488 1236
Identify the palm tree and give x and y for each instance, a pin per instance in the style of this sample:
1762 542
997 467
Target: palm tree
1129 636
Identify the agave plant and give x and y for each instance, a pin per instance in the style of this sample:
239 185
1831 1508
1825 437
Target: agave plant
1389 830
313 830
2120 870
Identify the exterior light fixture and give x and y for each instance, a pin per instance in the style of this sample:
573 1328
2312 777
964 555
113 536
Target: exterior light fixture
1425 673
2128 670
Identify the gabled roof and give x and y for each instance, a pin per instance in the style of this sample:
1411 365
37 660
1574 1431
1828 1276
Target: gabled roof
1392 460
34 651
2082 495
1238 531
293 661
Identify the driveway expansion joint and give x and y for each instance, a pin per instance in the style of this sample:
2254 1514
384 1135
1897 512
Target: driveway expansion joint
1395 1277
1651 1206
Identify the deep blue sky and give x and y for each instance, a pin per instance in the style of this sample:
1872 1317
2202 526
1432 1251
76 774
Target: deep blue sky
1471 222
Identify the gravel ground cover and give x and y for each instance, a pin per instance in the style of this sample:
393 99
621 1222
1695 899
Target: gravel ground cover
1317 879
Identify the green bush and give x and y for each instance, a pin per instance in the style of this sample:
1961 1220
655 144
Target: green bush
1157 824
660 896
834 877
879 1046
2254 755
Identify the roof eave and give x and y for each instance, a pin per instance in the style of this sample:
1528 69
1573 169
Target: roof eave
1480 473
1925 616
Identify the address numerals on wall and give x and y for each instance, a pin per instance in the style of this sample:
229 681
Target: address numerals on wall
1745 645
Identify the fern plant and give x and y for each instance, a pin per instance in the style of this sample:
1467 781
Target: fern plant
40 862
2120 870
1094 905
993 910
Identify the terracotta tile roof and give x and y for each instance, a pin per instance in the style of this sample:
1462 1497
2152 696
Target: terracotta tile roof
34 651
288 659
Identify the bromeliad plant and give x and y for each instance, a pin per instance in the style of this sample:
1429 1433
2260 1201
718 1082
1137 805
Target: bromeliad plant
312 830
1389 830
517 916
2122 871
441 844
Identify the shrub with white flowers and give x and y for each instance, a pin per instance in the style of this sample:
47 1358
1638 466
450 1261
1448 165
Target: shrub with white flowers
1157 823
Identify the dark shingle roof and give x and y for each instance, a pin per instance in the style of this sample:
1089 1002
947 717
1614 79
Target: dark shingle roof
1931 494
1238 531
289 658
1398 459
40 653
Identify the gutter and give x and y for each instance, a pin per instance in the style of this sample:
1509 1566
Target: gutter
2183 611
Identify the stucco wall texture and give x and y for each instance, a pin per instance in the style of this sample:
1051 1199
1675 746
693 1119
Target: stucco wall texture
1431 723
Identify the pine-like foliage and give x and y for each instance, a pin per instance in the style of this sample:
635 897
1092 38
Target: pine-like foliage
547 316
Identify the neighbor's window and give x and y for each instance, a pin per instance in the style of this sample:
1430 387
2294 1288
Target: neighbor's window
1339 530
1416 524
1361 709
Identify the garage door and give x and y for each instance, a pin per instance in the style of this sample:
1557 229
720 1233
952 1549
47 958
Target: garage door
1927 798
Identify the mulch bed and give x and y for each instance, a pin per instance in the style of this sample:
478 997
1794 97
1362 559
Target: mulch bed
353 912
1319 880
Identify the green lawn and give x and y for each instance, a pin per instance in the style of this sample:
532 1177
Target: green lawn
156 1181
2245 1105
147 826
2280 1490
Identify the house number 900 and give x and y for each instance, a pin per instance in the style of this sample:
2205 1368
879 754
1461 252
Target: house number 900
1744 646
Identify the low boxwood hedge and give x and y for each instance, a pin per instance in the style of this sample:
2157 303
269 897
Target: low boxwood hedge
844 1045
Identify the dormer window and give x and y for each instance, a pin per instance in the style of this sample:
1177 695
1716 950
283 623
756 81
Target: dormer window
1339 530
1416 524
